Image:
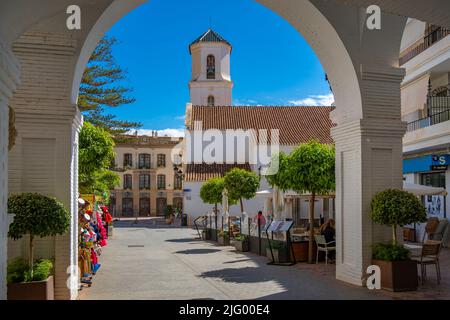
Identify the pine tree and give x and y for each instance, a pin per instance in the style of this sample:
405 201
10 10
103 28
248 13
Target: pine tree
101 89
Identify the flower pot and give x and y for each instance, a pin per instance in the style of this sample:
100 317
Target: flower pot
398 275
241 246
279 255
223 241
36 290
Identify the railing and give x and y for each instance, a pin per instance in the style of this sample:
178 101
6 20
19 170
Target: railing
434 35
438 104
429 121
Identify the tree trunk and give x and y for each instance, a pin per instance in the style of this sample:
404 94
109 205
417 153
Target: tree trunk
215 216
242 210
312 200
394 234
31 256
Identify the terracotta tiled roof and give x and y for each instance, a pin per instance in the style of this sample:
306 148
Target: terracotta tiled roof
203 171
296 124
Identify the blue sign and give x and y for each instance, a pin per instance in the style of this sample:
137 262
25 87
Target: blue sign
441 160
426 163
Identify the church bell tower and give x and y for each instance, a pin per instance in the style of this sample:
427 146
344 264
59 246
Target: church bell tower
210 83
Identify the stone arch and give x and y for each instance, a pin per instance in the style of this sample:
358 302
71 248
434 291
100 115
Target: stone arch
308 20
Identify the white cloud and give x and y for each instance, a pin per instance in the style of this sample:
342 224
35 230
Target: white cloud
181 118
314 100
169 132
245 102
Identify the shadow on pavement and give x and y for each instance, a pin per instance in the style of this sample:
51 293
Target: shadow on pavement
198 251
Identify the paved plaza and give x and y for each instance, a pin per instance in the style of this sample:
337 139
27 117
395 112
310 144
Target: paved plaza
143 261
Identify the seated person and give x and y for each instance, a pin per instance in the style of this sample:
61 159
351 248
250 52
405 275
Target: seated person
329 232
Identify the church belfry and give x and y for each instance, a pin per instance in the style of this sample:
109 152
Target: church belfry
210 83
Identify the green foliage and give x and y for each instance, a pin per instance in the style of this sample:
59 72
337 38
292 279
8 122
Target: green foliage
96 151
277 244
19 271
281 178
37 215
101 88
211 190
169 211
390 252
223 234
241 184
396 207
241 237
311 168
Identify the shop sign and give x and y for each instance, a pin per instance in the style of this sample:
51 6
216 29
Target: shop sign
440 162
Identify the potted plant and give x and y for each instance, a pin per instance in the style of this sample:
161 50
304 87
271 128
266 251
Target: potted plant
223 238
241 243
37 216
169 213
278 250
39 287
396 208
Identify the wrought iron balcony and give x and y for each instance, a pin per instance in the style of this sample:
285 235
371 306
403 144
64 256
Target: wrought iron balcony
429 121
434 34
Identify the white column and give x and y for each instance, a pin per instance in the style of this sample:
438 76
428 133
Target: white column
368 160
9 77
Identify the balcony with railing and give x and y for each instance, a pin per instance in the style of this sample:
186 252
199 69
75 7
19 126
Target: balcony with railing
438 109
433 35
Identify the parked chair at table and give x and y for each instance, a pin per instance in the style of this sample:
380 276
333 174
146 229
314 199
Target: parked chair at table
429 256
430 229
324 246
438 234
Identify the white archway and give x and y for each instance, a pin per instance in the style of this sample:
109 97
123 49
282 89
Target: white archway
363 70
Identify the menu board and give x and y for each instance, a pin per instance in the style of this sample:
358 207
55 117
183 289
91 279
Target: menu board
279 226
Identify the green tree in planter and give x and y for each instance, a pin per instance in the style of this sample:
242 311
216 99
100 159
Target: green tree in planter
281 178
397 208
211 191
241 184
37 216
310 169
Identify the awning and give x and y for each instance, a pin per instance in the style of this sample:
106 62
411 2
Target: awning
420 190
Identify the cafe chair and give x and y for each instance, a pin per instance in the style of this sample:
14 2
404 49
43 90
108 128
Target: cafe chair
429 256
323 246
430 228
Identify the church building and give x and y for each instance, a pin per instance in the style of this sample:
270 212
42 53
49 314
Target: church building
211 112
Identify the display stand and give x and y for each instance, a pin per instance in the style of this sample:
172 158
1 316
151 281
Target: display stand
281 226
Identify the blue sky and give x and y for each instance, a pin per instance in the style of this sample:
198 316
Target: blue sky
271 64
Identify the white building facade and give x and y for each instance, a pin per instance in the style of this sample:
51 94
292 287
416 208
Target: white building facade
425 54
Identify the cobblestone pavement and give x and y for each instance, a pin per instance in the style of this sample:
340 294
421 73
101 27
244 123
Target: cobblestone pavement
143 261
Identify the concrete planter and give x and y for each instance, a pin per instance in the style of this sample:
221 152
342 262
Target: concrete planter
36 290
223 241
398 275
279 256
241 246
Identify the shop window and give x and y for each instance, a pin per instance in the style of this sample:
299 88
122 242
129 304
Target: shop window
144 207
127 207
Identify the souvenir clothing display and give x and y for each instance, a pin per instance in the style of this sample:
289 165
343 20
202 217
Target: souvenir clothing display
92 238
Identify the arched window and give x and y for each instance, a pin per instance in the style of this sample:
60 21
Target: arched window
211 101
210 67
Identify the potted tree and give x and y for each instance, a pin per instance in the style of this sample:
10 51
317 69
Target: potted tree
211 193
223 238
169 213
37 216
241 243
241 184
396 208
279 249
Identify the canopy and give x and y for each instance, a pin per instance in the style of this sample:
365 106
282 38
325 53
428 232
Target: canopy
420 190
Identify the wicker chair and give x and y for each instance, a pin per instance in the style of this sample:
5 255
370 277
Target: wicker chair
323 246
429 256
